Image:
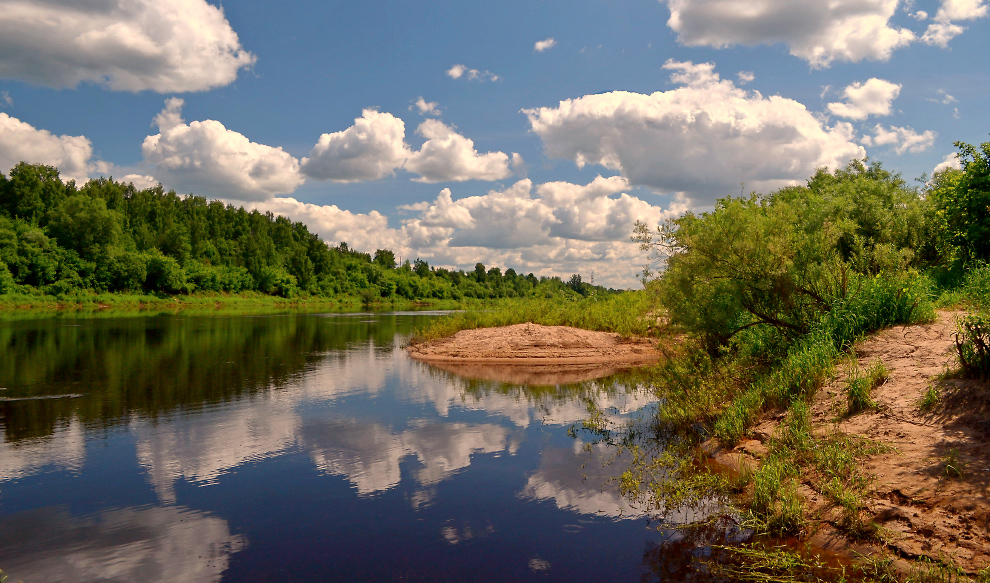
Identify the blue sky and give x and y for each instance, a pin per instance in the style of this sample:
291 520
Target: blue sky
527 134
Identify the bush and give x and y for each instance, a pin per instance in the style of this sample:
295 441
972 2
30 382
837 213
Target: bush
164 274
973 345
6 279
976 285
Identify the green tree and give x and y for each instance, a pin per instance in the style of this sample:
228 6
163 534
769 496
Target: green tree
32 190
84 224
959 217
385 258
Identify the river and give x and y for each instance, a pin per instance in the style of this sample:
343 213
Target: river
297 447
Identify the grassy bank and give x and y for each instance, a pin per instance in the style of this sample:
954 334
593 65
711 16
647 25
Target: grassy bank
19 306
629 313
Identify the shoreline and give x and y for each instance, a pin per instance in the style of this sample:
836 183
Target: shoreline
536 345
924 495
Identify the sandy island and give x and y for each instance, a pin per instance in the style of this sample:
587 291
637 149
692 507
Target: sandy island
536 354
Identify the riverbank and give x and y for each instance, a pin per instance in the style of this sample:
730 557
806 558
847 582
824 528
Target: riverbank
893 481
19 306
918 500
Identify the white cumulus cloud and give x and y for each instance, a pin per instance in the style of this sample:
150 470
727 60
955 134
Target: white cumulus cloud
206 158
426 107
950 161
701 139
556 228
370 149
463 71
22 142
599 211
944 27
874 97
125 45
818 32
447 155
360 231
940 33
961 10
902 138
140 181
545 44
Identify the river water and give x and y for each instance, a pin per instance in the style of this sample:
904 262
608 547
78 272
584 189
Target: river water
297 447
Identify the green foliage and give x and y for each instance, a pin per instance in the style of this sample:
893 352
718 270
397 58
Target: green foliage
953 465
110 237
976 285
84 224
625 313
930 399
758 563
973 345
164 274
31 191
776 505
959 213
859 387
783 261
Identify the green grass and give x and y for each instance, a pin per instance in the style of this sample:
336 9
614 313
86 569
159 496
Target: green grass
931 399
21 306
860 386
626 313
953 466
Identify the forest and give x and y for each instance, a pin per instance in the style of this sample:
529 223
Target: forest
57 239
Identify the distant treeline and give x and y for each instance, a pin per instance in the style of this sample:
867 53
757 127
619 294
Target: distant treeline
56 238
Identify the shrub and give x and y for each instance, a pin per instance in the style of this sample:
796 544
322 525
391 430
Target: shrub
164 274
6 279
973 345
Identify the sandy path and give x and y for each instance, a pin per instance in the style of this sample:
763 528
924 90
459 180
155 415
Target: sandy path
535 354
925 512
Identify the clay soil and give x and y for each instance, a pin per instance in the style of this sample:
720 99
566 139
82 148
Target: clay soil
923 509
535 354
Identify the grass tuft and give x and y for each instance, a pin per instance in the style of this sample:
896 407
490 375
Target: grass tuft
954 466
931 399
860 386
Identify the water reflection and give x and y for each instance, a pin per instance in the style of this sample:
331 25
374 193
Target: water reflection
212 416
122 545
63 450
580 479
368 454
200 448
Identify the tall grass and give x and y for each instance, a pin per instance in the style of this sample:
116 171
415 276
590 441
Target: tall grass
860 385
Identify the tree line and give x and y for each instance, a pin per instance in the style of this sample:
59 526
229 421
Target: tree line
106 236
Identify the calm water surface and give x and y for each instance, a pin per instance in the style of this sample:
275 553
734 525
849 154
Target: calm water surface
295 448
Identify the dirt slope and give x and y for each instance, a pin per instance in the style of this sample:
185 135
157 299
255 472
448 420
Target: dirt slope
925 510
